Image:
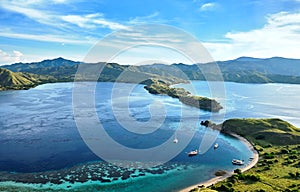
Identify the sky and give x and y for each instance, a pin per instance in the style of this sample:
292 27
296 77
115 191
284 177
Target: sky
35 30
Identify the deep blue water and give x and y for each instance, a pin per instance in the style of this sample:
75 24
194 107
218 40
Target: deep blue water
38 132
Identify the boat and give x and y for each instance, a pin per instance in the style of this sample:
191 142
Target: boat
175 139
216 146
237 162
193 153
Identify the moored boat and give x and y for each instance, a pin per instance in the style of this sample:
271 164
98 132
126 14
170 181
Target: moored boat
237 162
193 153
216 146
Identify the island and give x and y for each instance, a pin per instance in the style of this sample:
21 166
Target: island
163 88
278 144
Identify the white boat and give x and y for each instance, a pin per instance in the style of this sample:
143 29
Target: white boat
193 153
216 146
175 140
237 162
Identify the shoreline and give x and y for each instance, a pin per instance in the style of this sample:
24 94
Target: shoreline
217 179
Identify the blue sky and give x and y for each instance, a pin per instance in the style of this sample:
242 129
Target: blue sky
34 30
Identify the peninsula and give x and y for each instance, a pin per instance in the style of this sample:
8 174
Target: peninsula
163 88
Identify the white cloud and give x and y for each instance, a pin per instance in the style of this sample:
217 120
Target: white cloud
14 57
59 1
48 38
32 11
92 21
146 19
64 26
78 20
280 36
208 6
18 54
40 16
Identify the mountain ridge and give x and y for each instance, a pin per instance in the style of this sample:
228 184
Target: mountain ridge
241 70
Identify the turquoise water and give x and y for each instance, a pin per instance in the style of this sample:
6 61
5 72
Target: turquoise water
40 141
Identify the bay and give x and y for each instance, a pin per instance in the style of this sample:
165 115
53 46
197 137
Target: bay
38 134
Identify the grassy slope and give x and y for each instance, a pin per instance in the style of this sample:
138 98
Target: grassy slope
18 80
279 160
264 131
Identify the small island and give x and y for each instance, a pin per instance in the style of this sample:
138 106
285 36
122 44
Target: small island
160 87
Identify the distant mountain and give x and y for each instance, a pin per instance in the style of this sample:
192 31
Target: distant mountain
18 80
243 70
63 70
274 65
36 66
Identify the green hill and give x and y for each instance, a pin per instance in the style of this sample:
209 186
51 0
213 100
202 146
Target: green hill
18 80
264 131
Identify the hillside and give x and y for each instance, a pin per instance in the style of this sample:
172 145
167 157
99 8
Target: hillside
278 144
264 131
18 80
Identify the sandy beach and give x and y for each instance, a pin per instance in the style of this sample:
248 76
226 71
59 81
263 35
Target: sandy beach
221 178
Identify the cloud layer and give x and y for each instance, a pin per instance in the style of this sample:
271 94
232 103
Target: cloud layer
14 57
280 36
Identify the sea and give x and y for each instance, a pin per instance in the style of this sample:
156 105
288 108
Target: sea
51 139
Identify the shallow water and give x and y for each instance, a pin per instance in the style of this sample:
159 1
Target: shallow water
38 133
